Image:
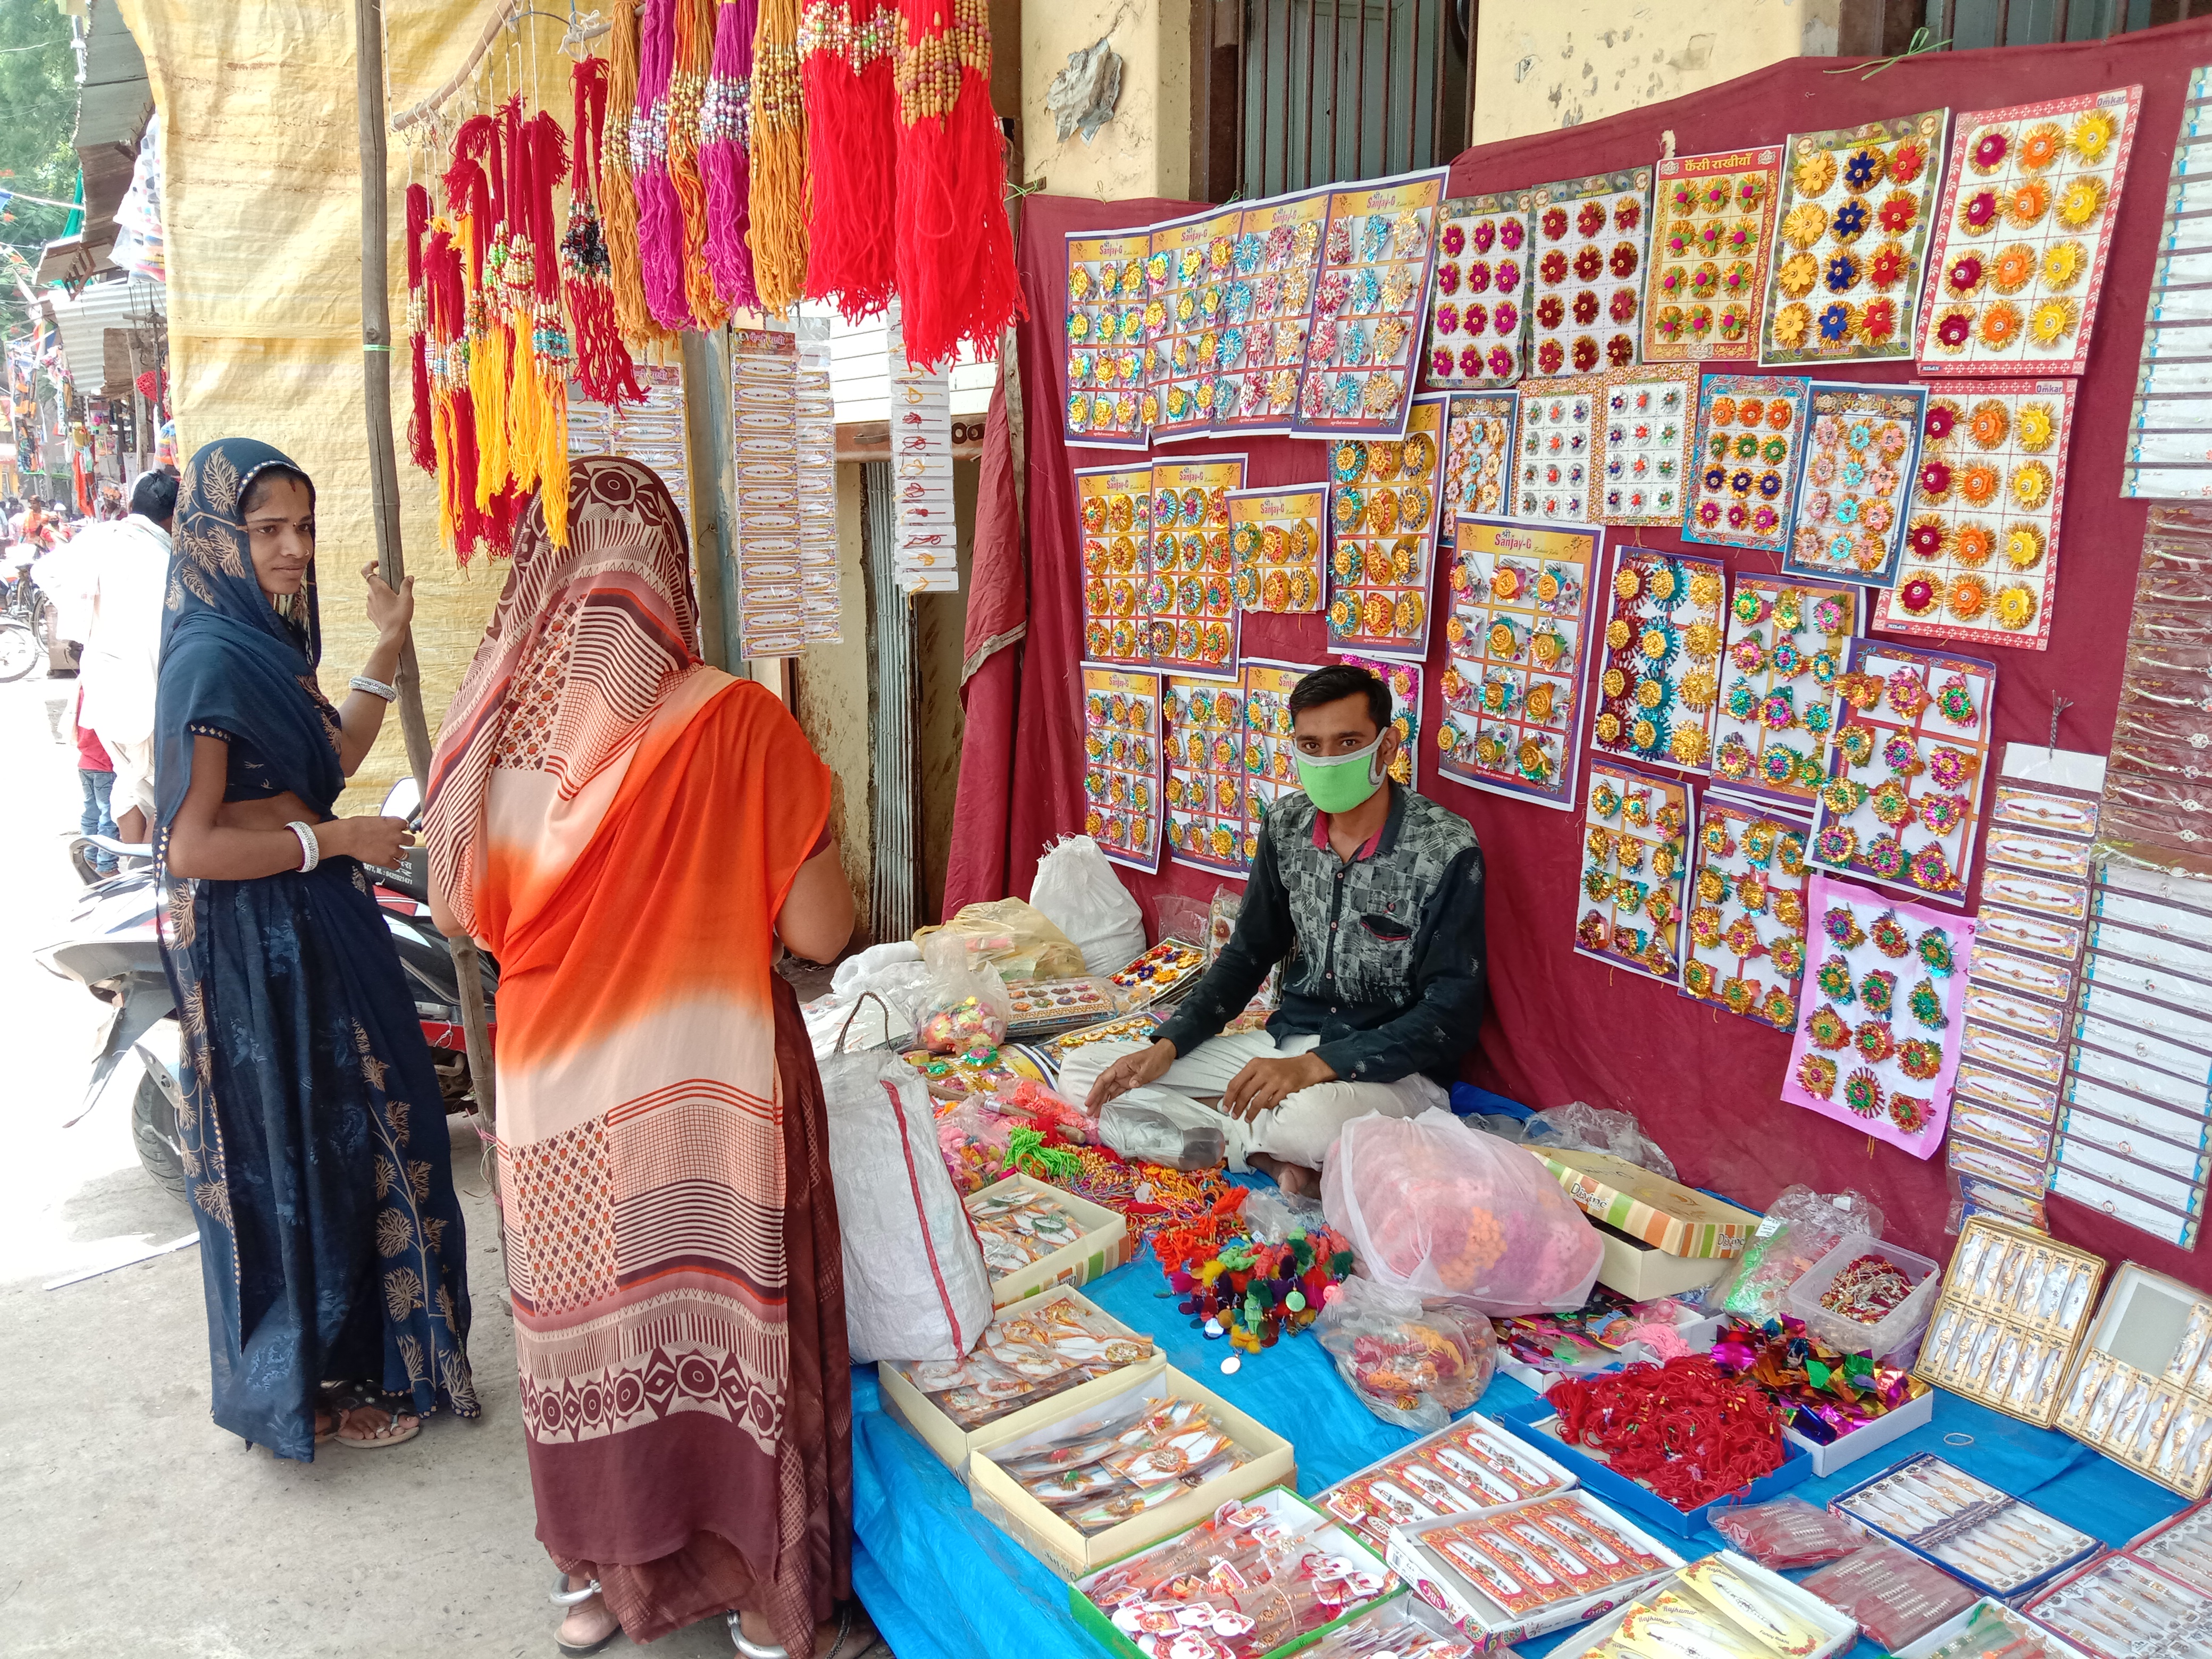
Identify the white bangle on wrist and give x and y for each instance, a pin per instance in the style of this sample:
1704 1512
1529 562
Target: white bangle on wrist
375 687
311 849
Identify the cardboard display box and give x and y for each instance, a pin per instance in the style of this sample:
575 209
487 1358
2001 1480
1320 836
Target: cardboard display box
1664 1214
1103 1246
1837 1633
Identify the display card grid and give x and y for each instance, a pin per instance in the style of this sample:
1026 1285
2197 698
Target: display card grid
1270 309
1658 685
1643 435
1788 642
1189 601
1479 317
1205 752
1747 911
1277 540
1478 476
1383 502
1587 250
1363 349
1555 477
1187 276
1861 449
1712 220
1636 869
1122 739
1744 460
1104 354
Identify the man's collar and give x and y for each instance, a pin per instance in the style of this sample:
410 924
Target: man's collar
1383 840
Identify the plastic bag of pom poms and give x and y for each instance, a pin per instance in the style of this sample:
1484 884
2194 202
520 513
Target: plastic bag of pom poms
1411 1365
968 1002
1894 1595
1801 1227
1786 1533
1435 1207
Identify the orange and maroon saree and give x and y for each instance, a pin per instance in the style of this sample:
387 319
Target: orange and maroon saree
619 824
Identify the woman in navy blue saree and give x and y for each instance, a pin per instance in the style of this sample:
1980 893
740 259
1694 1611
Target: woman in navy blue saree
314 1132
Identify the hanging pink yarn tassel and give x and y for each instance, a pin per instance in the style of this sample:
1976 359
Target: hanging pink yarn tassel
660 214
724 160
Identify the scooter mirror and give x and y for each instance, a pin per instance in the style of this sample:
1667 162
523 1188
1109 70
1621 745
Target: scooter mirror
404 800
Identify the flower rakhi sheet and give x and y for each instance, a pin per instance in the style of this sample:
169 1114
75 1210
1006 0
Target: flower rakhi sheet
1744 945
1122 764
1643 433
1555 472
1587 253
1103 368
1269 304
1521 607
1713 229
1788 642
1745 459
1116 507
1636 867
1659 680
2030 200
1189 273
1383 502
1364 351
1856 483
1478 320
1193 615
1877 1043
1203 788
1276 538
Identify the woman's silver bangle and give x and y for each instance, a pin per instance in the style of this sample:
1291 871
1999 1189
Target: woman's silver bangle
311 850
375 687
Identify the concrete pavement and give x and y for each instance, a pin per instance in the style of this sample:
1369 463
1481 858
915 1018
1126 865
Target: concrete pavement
129 1523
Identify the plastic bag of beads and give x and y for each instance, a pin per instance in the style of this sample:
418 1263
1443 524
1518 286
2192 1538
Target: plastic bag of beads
1894 1595
968 1002
1411 1365
1786 1533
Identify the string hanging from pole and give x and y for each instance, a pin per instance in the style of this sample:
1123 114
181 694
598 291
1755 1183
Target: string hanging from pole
852 153
779 159
603 367
687 94
421 441
725 164
617 183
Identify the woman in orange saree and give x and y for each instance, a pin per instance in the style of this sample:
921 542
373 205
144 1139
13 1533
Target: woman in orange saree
630 832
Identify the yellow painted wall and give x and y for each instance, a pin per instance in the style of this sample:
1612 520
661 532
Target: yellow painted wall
1539 67
1144 150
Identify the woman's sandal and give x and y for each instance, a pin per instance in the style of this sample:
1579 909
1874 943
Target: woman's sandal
750 1650
389 1436
570 1600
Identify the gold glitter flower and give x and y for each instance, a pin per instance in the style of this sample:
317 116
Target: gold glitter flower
1689 746
1968 597
2023 547
1814 173
1797 274
2092 134
2037 426
2011 268
1791 324
1805 224
2064 264
2080 202
1698 690
1701 642
1705 589
2016 606
2053 320
2031 486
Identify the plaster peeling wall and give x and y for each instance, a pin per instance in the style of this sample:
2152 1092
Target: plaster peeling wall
1144 150
940 620
1538 68
831 700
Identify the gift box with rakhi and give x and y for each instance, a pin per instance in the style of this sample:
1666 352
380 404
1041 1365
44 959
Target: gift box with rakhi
2009 1319
1720 1608
1035 1237
1980 1535
1463 1468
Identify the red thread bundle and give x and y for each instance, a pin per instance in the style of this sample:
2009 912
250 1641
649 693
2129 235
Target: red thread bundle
852 158
1682 1429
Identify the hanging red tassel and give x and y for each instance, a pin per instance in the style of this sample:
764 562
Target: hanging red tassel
724 161
422 443
603 367
955 249
852 154
659 213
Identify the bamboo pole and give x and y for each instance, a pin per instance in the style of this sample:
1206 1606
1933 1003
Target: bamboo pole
384 489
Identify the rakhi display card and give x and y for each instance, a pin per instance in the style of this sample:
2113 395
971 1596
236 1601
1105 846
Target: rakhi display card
1188 275
1404 679
1554 478
1712 228
1658 681
1384 503
1643 443
1478 457
1521 600
1104 365
1852 232
1981 547
764 413
1122 764
1371 300
1855 486
1189 601
1902 800
1271 764
1877 1048
1636 869
1269 306
1788 642
1115 505
2169 455
1743 948
1744 459
2029 202
1479 319
1204 788
1277 537
1586 250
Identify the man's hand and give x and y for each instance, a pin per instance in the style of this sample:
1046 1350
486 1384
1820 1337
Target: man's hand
1130 1071
1268 1083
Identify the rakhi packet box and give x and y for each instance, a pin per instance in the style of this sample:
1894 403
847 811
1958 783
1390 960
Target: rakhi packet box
1465 1467
1103 1247
2179 1546
1115 1629
1068 1550
2155 1614
1828 1631
1537 1423
1663 1214
1838 1505
1987 1612
1487 1622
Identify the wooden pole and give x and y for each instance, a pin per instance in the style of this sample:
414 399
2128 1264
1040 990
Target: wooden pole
384 489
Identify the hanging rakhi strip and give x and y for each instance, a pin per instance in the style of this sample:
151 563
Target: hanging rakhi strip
725 158
603 363
513 260
475 192
538 395
453 419
422 443
617 192
779 158
955 250
660 214
851 152
687 97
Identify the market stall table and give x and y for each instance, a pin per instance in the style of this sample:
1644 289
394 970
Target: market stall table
943 1583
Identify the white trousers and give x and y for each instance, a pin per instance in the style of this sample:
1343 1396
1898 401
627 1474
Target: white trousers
1299 1131
134 777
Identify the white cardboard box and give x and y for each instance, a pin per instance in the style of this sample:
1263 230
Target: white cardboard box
1872 1436
1103 1246
1352 1511
2055 1645
1836 1632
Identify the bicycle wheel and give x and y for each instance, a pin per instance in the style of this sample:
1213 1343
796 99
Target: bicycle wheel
20 651
42 621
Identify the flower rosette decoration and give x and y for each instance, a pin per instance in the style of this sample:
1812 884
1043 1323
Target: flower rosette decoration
1816 1075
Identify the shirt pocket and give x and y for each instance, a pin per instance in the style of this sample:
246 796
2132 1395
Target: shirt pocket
1382 965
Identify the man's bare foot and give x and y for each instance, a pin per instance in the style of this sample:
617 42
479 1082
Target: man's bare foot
847 1635
589 1627
1294 1179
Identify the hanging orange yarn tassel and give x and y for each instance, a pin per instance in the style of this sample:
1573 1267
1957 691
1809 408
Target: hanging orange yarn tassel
955 249
603 363
618 199
687 99
779 158
852 153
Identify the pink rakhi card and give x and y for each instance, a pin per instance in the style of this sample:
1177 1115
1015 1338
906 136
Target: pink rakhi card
1479 313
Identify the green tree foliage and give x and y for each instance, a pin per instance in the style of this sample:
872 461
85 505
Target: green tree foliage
37 120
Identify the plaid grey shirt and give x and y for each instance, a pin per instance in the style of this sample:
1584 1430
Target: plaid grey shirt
1383 954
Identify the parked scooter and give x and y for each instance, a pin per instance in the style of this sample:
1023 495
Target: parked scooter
113 950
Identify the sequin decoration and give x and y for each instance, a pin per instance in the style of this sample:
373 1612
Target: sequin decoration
1743 948
1636 870
1712 220
1850 237
1267 309
1193 615
1981 546
1364 350
1122 764
1204 788
1114 505
1788 641
1854 486
2022 234
1555 475
1744 459
1102 367
1589 242
1188 277
1478 457
1658 683
1383 511
1643 444
1278 540
1478 304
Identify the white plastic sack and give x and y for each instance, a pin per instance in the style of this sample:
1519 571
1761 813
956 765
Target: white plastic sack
1440 1209
1080 893
915 1287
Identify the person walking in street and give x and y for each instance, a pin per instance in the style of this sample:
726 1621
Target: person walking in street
631 833
95 775
314 1132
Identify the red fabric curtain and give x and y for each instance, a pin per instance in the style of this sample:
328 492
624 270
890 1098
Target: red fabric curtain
1563 1027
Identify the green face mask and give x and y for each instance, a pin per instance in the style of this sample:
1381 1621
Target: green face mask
1342 781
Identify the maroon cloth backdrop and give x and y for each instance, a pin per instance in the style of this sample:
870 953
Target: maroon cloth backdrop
1563 1027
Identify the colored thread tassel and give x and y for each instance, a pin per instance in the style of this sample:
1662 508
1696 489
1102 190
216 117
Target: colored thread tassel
725 119
687 94
660 214
779 159
617 189
421 440
603 363
955 249
852 153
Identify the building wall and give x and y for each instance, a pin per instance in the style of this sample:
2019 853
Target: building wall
940 622
1539 67
832 699
1144 150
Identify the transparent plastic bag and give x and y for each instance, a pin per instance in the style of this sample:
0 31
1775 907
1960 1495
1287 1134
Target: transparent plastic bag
1141 1135
1181 916
1443 1210
1079 892
968 1006
1413 1365
1579 1127
1272 1215
1801 1227
1786 1533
